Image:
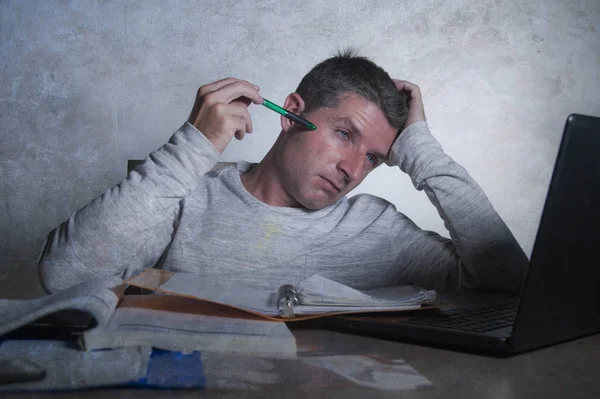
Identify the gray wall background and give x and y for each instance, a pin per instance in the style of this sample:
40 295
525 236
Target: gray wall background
86 85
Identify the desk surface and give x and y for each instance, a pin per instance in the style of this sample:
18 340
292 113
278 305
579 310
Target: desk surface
337 365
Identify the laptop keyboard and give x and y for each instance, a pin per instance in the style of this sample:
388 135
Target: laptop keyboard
479 318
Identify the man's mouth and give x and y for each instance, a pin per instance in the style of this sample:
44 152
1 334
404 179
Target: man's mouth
333 185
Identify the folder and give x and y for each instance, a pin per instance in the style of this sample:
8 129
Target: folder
314 297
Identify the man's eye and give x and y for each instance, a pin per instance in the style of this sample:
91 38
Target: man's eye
372 159
343 134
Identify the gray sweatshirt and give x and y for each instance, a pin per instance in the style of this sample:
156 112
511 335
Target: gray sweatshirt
180 211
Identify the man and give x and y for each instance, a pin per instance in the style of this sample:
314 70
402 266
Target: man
287 217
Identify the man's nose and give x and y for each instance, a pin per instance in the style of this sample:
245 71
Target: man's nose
352 168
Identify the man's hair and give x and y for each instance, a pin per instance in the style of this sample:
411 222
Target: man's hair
346 72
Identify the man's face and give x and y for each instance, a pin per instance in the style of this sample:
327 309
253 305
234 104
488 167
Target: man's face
319 167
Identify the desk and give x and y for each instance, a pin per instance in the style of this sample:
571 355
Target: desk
570 370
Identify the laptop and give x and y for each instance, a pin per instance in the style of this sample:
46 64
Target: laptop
560 299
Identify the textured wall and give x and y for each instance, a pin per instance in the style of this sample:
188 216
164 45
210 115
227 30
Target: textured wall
85 85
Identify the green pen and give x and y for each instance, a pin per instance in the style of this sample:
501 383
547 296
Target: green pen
290 115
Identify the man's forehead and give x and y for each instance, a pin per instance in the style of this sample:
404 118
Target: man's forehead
350 103
352 108
340 118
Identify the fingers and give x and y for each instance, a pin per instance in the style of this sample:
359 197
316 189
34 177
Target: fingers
405 85
221 110
399 84
239 110
209 88
236 118
416 111
238 89
241 127
243 100
227 90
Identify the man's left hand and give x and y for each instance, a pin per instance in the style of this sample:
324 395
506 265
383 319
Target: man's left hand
416 111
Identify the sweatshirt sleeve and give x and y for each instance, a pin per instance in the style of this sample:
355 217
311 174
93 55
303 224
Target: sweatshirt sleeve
482 252
128 227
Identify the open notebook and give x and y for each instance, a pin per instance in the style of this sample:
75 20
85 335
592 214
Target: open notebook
316 296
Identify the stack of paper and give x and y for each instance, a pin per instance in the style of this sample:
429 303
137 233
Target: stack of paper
318 294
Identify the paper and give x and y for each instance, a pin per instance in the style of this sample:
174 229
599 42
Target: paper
223 291
95 297
370 371
318 290
154 320
318 295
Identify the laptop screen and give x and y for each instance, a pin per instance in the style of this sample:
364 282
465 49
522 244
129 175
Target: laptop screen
561 296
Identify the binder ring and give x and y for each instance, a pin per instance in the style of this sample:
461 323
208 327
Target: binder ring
287 298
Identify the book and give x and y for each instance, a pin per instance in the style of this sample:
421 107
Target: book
175 323
314 297
169 322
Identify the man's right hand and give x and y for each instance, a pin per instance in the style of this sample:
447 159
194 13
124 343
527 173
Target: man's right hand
221 110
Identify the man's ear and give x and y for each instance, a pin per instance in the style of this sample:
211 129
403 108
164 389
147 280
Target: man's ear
293 103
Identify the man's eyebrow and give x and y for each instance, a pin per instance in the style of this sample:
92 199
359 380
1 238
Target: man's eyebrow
355 129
